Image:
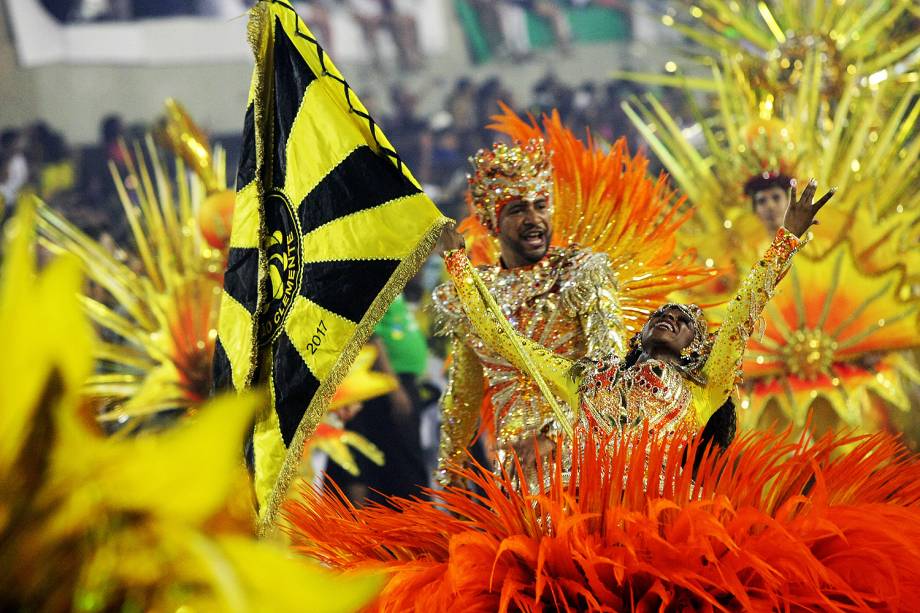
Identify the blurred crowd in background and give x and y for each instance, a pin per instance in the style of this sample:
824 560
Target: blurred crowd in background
436 145
499 27
99 10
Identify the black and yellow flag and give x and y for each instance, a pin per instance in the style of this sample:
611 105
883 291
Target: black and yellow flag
328 227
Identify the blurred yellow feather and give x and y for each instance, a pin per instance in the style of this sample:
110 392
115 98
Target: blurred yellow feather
157 521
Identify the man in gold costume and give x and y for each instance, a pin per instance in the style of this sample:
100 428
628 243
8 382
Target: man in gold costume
564 298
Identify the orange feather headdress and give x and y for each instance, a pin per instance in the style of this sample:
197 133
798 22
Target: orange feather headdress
608 202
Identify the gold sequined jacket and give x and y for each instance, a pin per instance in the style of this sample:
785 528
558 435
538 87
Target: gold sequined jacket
613 396
567 303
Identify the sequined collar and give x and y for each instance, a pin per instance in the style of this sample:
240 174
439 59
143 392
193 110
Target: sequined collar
514 286
653 366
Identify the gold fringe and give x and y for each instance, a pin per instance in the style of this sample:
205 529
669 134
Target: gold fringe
258 17
407 269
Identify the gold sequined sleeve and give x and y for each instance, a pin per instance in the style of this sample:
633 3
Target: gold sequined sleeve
460 408
599 308
554 367
741 316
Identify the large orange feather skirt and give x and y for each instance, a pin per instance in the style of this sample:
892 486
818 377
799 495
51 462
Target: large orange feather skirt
765 525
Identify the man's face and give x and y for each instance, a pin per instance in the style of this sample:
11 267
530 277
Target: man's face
770 206
525 228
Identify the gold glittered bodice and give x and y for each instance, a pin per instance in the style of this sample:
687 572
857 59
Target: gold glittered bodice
651 393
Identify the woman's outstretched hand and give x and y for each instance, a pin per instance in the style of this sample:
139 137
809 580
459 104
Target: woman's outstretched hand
800 214
450 240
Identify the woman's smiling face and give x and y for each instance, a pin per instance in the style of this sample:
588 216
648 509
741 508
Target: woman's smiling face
668 330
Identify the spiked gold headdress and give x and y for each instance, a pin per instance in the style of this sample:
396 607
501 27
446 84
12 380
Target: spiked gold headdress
505 173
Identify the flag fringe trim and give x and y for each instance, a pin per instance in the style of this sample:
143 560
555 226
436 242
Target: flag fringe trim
254 30
407 269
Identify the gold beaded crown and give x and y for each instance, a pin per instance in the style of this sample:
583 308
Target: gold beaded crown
505 173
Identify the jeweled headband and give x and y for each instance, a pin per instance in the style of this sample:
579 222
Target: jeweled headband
506 173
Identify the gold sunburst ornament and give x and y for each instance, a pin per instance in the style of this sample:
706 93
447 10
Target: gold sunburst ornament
863 256
869 155
833 335
781 44
157 309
